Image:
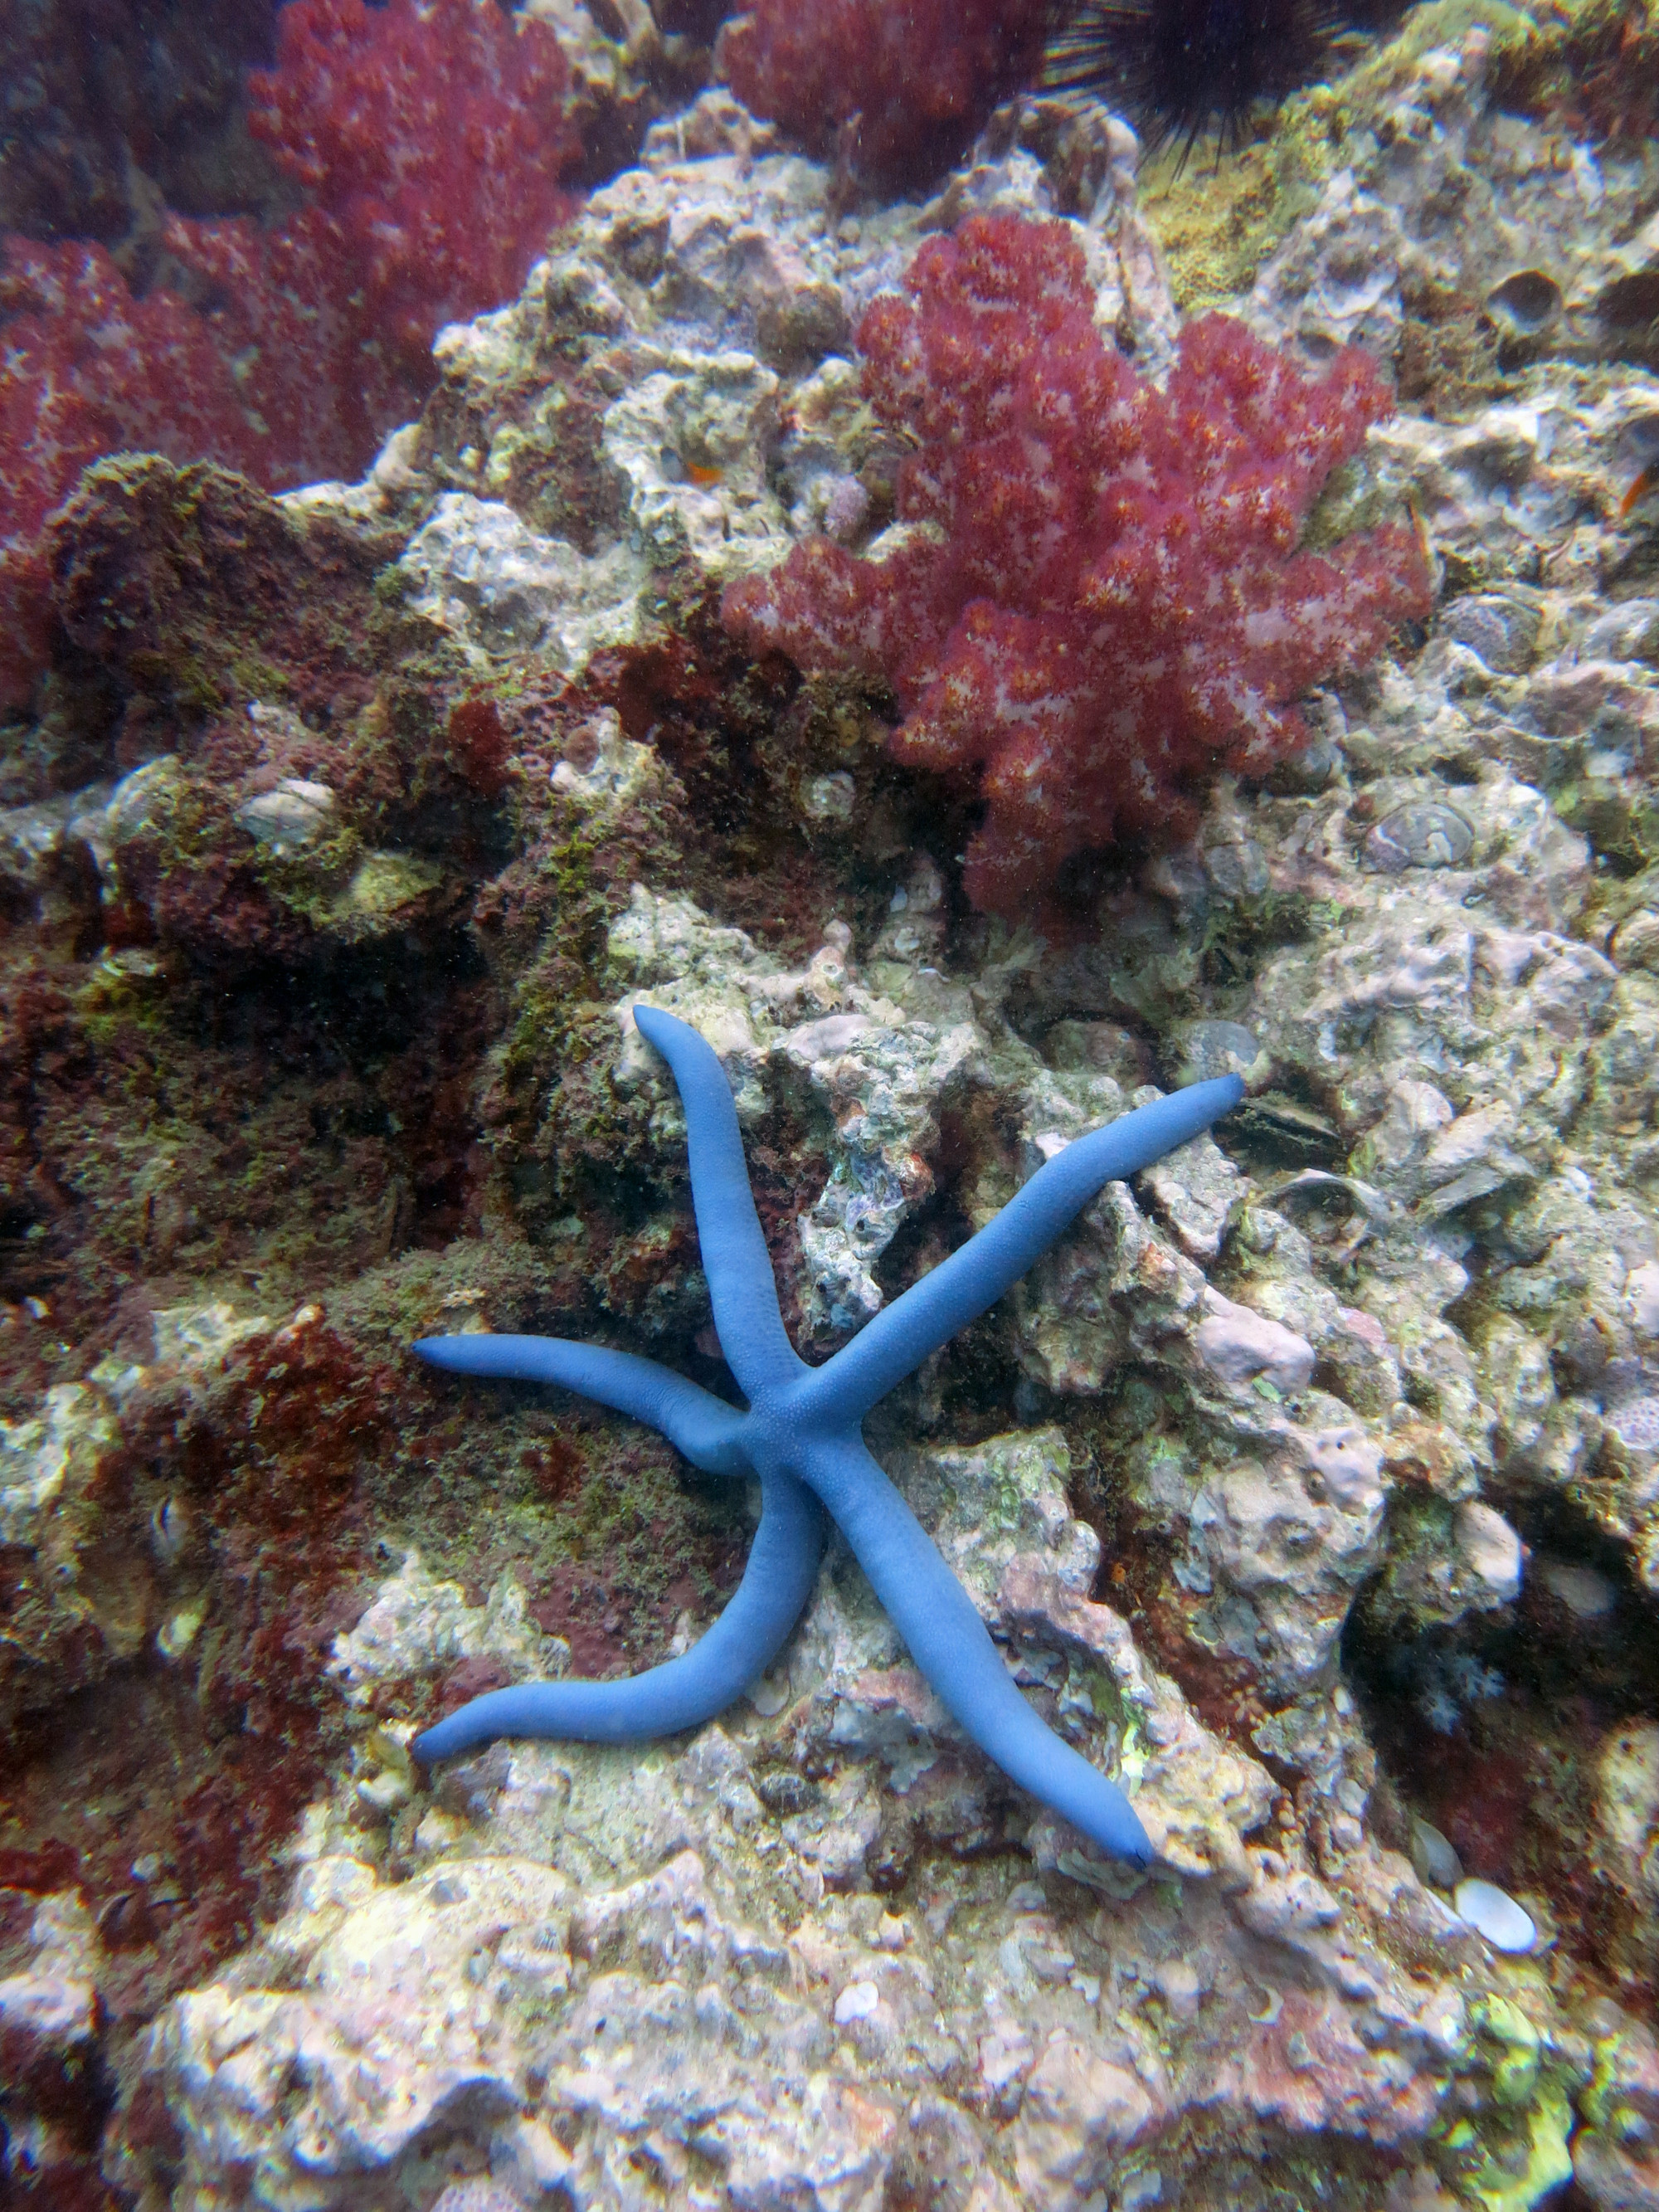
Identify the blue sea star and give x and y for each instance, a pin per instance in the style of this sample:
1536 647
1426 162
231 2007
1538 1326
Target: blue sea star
801 1437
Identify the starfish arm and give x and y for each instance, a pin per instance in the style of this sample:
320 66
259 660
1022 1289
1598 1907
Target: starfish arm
693 1419
952 1647
735 1258
683 1692
894 1344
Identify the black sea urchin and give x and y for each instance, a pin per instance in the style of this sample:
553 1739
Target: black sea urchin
1184 68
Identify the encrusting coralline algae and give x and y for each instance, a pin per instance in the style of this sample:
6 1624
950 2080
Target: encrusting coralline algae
1310 1485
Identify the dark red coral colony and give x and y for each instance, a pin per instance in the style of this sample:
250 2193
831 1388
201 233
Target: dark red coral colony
909 85
1101 598
429 142
434 139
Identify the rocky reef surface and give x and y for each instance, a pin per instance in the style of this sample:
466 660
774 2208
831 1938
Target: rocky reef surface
1311 1484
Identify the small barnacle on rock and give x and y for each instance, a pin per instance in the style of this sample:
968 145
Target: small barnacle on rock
1434 1858
1427 835
1524 310
170 1530
293 814
1500 628
1633 1415
1586 1593
1212 1049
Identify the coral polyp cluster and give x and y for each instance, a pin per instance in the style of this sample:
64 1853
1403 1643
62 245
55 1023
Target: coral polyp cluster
435 138
1101 597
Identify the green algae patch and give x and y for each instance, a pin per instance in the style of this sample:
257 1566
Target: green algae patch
384 886
1514 2183
1218 224
343 891
125 988
1515 2075
1620 818
1513 2153
193 588
165 802
1123 1718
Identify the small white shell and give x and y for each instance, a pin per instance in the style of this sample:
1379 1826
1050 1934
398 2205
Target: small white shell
1584 1590
1493 1913
1434 1856
856 2002
292 814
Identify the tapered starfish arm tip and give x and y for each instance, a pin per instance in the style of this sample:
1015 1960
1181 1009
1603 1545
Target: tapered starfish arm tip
936 1308
952 1647
735 1260
693 1419
683 1693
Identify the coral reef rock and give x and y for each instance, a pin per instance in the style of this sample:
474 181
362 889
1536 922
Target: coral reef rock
1309 1482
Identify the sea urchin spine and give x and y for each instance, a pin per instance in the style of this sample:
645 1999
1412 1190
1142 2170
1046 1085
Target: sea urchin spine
1186 69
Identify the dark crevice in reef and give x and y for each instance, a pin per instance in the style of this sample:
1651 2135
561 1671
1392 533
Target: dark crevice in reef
1505 1731
973 1376
304 1116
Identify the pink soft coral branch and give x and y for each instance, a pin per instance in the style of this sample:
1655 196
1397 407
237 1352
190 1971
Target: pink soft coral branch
1103 600
435 137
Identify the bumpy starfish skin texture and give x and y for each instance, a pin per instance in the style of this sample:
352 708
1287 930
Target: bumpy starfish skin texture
801 1437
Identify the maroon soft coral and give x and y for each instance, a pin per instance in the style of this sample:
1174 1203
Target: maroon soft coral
435 137
914 80
90 370
431 139
1102 599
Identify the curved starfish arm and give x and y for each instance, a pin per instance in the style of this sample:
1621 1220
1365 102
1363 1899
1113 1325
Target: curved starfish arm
683 1692
693 1419
735 1258
894 1344
952 1647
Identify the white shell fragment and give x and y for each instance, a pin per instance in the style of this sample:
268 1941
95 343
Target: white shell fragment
856 2002
292 814
1584 1590
1493 1913
1434 1856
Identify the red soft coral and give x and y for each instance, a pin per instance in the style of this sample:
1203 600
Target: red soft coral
914 80
90 370
1109 602
431 137
436 136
